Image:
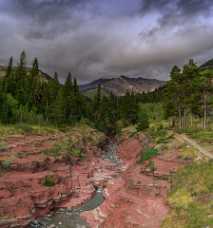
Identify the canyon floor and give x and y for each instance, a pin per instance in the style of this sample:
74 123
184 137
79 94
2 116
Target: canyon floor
98 190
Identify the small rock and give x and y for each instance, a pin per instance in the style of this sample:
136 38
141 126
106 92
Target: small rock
51 226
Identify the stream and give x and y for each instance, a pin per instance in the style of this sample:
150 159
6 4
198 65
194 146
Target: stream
70 218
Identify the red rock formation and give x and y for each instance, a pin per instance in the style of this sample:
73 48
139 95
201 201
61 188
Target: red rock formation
135 198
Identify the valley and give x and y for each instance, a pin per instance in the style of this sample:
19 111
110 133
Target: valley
107 187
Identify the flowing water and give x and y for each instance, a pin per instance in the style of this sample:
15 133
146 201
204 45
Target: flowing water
70 218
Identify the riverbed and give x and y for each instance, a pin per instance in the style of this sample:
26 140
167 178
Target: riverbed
70 218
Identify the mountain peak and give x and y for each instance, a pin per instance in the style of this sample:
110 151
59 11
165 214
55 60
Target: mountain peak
120 85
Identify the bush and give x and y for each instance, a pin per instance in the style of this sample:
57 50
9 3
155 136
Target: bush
3 146
76 152
6 164
147 154
25 128
180 199
48 181
55 151
143 121
191 197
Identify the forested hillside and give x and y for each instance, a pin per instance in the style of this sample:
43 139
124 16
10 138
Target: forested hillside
27 96
188 96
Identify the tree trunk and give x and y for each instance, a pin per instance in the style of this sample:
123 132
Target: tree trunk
204 110
191 120
179 118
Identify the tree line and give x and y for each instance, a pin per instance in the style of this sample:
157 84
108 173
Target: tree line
188 95
26 95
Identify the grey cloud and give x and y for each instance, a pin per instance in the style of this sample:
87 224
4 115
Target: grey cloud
95 38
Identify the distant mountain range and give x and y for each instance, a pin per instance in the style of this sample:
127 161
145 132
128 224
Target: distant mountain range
120 85
207 65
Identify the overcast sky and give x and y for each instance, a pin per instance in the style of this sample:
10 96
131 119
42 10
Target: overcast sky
103 38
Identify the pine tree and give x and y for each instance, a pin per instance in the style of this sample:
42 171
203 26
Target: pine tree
35 68
8 77
22 84
68 98
57 111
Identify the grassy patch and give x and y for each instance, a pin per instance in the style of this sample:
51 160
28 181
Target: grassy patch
75 140
21 128
147 154
66 147
48 181
190 186
200 135
5 164
128 132
3 146
187 153
160 134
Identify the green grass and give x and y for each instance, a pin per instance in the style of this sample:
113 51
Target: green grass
5 164
48 181
147 154
160 134
74 141
3 146
21 128
191 197
188 153
199 134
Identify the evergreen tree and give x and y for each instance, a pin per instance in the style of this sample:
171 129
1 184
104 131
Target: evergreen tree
68 98
8 77
57 108
35 68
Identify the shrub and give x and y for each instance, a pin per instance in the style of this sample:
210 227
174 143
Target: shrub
48 181
147 154
190 197
187 153
143 121
3 146
180 199
6 164
55 151
25 128
76 152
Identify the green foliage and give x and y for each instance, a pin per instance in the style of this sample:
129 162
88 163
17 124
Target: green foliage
190 197
180 199
28 96
160 134
143 121
202 135
76 152
154 111
188 153
147 154
3 146
48 181
6 164
54 151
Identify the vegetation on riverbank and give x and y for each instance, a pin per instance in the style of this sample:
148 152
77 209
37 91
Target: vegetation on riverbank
190 198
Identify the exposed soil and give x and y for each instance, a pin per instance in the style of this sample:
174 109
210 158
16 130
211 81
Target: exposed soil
134 195
137 197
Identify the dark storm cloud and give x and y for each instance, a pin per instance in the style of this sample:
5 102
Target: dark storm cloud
95 38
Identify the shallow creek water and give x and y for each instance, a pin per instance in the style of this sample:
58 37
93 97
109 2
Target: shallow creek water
70 218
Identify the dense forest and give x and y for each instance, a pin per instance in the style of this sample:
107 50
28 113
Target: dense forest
188 96
27 96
